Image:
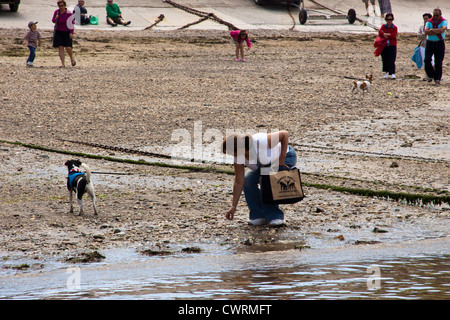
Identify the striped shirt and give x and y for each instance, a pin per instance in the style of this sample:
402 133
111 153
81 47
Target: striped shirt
32 37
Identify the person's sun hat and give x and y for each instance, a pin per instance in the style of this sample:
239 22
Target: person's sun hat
31 23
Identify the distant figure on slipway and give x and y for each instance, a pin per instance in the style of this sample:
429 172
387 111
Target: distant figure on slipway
81 13
366 3
114 15
385 7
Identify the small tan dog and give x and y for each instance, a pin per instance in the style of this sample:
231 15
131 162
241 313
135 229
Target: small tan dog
362 85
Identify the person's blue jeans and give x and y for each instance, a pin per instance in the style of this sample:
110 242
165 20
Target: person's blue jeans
32 54
253 194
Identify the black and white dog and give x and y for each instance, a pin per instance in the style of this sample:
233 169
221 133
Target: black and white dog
80 183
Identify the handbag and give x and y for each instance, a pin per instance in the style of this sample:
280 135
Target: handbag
94 20
282 187
417 57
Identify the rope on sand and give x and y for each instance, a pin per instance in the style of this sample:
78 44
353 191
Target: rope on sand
307 146
409 198
120 149
158 20
202 14
193 23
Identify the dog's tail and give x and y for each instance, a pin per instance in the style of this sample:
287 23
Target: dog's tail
88 172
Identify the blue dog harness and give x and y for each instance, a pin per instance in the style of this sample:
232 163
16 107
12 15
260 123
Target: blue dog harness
75 172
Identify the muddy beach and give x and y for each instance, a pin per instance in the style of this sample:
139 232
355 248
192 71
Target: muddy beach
134 89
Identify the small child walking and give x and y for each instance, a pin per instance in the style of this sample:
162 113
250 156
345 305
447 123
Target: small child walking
239 36
32 41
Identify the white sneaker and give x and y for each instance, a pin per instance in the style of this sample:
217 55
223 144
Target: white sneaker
386 75
29 64
257 222
276 222
393 77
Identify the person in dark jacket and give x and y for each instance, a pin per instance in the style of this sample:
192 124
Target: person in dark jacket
84 17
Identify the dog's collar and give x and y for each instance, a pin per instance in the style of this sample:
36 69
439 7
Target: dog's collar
74 170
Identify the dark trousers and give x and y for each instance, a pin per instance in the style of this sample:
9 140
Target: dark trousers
32 54
436 48
388 57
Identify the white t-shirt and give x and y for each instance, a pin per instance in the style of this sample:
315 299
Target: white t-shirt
260 152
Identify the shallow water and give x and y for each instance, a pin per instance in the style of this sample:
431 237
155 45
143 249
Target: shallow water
400 271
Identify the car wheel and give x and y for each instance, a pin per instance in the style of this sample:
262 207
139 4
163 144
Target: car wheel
351 16
13 7
303 16
259 2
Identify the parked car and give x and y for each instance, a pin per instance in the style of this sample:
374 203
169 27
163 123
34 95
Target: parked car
13 4
261 2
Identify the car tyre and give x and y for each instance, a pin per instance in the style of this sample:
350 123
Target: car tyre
351 16
303 16
13 7
259 2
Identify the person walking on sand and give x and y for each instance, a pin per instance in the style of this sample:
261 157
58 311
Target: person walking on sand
366 3
385 7
32 40
389 54
239 36
435 30
258 152
64 30
114 15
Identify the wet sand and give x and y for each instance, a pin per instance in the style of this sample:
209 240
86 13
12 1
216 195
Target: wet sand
134 89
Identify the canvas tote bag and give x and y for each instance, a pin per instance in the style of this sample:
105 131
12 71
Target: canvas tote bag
284 186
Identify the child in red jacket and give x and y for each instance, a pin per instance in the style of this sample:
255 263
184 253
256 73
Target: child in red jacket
389 55
239 36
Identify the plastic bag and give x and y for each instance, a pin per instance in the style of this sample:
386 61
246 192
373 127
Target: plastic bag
94 20
417 57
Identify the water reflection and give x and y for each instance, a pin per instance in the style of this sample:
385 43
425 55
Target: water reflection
285 275
414 278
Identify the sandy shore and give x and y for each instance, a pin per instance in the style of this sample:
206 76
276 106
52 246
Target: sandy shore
134 89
